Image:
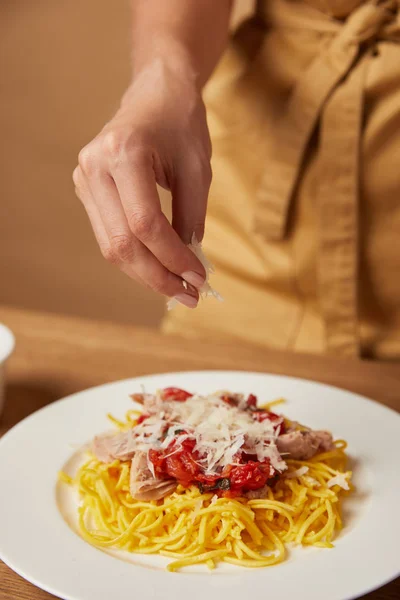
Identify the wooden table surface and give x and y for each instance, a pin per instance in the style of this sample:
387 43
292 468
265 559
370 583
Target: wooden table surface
56 356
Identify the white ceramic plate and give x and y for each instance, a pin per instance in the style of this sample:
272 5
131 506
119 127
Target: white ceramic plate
37 542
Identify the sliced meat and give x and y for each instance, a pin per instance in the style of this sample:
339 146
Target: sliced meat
325 440
109 447
262 492
143 485
295 426
302 445
150 402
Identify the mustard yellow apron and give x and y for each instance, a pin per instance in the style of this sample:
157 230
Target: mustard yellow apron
304 214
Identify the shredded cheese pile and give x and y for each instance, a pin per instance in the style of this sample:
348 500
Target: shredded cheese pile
219 430
303 507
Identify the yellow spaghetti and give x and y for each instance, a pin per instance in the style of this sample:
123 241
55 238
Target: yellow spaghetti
190 527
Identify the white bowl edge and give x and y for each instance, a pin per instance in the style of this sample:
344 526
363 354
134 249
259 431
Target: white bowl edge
7 343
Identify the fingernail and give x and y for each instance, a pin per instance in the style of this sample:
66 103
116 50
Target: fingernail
186 300
194 278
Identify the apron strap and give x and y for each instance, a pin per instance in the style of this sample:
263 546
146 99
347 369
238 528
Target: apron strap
330 92
338 212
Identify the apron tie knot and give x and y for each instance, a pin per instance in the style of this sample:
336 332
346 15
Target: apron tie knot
371 21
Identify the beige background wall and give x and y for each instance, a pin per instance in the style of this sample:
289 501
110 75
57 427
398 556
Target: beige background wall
63 65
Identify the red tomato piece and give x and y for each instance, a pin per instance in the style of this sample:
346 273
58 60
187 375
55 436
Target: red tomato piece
173 393
178 461
142 418
264 415
229 400
182 466
187 445
250 476
252 400
208 479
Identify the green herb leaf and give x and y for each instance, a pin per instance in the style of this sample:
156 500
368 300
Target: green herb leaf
220 484
223 484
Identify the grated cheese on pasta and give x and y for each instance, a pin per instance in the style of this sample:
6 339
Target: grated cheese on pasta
218 429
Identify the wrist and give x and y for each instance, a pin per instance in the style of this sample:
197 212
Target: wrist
166 56
167 77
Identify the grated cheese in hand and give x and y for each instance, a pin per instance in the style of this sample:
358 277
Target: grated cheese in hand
206 289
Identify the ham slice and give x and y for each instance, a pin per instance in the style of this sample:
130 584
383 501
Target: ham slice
109 447
261 493
151 403
302 445
143 484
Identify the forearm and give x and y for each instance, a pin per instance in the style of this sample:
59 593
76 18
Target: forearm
189 35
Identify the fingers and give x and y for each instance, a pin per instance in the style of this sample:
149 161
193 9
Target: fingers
119 246
189 198
83 192
186 294
135 180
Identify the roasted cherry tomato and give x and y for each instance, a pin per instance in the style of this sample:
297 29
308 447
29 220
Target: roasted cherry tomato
229 400
177 462
252 400
264 415
250 476
142 418
173 393
207 480
182 466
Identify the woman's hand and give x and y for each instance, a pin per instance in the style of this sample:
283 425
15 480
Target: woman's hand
159 135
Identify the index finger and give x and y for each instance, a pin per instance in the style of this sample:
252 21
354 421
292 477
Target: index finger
136 184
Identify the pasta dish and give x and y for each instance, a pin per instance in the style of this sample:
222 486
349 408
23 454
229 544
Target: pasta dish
210 479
